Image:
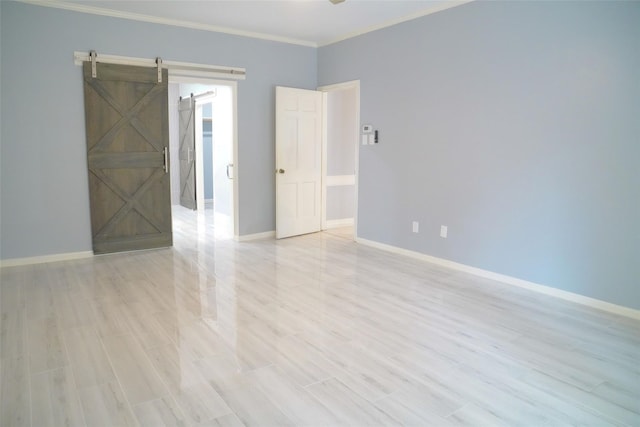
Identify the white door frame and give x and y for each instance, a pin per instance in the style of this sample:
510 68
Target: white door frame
352 84
173 78
199 143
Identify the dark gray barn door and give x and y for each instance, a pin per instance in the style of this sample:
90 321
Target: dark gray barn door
126 116
187 112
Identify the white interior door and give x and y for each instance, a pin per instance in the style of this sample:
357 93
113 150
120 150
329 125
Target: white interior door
298 161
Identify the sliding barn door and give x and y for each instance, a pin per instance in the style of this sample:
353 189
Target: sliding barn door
187 113
127 147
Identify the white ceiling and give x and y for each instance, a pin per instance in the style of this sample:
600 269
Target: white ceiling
306 22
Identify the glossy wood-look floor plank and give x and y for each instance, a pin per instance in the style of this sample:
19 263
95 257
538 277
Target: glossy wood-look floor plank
348 406
297 403
55 400
46 348
88 360
200 403
253 407
106 405
159 413
15 392
140 382
13 333
312 331
230 420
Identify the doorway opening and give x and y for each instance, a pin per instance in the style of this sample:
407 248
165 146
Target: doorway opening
212 155
340 158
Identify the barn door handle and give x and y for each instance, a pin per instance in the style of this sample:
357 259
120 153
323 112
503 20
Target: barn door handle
230 165
165 153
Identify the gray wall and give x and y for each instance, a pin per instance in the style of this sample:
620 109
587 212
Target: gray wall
517 124
340 202
341 132
44 192
514 123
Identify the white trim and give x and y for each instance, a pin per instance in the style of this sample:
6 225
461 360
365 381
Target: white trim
357 165
236 166
339 223
57 4
206 80
420 14
355 84
205 98
69 256
176 68
166 21
340 180
543 289
323 177
256 236
340 86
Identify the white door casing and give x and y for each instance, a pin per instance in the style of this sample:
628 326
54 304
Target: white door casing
222 151
329 181
298 161
202 79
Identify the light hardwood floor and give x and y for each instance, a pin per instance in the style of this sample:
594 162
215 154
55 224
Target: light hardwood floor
312 330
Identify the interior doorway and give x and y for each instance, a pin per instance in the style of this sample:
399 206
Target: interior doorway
340 158
214 151
297 177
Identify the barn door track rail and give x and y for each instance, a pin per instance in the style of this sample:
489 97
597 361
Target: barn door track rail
176 68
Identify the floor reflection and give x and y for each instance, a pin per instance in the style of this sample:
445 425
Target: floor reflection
312 330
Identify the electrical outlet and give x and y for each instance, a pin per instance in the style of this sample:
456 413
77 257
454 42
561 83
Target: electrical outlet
443 231
416 226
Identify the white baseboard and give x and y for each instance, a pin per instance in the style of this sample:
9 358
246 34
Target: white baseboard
45 258
558 293
338 223
256 236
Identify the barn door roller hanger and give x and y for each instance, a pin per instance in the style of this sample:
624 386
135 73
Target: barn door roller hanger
93 57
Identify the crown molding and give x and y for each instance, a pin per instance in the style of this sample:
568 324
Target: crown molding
57 4
390 23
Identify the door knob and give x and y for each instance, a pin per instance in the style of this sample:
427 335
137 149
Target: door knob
280 171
